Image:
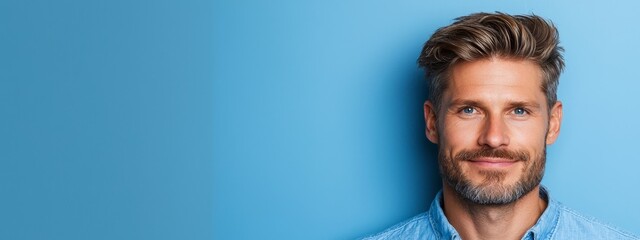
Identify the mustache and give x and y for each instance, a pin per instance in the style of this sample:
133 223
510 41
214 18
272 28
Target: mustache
466 155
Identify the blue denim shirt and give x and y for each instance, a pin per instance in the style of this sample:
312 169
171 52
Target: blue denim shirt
556 222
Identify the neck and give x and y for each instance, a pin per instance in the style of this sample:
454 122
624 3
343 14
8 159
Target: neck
509 221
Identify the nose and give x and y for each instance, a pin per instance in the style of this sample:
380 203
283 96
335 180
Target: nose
494 133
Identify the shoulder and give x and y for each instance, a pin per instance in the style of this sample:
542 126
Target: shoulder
573 225
417 227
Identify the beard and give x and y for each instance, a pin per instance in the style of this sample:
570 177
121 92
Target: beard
492 190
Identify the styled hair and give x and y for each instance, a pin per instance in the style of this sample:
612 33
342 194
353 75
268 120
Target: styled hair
486 35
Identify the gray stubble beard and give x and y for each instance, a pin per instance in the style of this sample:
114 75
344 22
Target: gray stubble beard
492 191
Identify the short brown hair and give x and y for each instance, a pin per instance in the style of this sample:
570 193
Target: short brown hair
484 35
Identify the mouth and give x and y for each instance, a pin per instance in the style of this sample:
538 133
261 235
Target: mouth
491 162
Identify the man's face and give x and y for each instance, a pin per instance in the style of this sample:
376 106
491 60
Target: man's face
492 129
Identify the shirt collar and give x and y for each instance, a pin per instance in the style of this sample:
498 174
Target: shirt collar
548 221
544 227
439 221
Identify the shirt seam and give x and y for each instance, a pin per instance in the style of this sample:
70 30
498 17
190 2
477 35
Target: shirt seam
556 222
433 226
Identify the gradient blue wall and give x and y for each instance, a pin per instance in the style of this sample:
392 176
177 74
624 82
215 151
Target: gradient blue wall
106 127
271 119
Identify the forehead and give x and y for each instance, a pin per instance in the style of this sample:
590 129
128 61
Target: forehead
496 78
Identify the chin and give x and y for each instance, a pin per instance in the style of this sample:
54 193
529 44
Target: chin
493 189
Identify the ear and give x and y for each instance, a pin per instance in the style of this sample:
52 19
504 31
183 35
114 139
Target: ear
430 122
555 120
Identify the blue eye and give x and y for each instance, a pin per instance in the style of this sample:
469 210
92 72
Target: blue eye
519 111
467 110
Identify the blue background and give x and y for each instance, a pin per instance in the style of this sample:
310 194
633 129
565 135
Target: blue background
272 119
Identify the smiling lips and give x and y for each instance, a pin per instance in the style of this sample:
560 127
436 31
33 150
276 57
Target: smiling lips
493 162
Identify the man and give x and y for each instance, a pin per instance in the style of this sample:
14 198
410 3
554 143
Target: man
492 110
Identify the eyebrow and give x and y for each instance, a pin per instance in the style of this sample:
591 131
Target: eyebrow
465 102
524 104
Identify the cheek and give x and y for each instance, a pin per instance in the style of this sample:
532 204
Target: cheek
460 134
528 133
